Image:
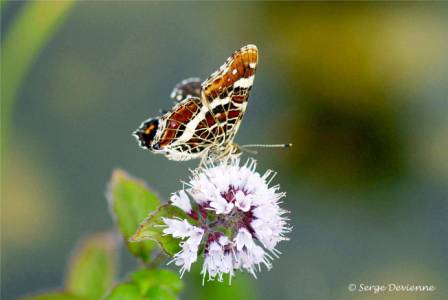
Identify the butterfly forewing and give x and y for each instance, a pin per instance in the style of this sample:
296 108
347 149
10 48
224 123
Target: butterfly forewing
227 90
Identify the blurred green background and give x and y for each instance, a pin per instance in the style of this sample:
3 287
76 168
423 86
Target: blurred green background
361 90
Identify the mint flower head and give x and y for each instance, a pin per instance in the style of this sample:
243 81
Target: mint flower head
234 220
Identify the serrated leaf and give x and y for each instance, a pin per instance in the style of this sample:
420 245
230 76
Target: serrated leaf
152 229
93 267
126 291
131 202
148 279
54 296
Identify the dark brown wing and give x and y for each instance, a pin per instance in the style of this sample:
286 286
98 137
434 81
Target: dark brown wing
188 87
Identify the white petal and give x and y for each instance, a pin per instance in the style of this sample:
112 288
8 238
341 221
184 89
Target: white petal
243 239
223 240
182 201
202 189
221 205
189 253
242 201
266 211
195 236
177 228
217 262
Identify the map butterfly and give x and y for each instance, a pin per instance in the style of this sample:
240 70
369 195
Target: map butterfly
207 115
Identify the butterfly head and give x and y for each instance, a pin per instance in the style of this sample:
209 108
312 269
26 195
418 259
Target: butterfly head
146 134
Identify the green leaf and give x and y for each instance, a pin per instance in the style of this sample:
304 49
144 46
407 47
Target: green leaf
131 202
55 296
93 267
160 293
149 284
126 291
152 229
148 279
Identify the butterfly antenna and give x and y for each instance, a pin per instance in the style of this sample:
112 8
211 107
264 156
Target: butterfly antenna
267 145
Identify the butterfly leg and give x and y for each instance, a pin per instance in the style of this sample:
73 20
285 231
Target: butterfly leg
231 150
244 149
205 158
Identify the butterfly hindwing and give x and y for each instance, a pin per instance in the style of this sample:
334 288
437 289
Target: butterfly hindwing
188 87
187 130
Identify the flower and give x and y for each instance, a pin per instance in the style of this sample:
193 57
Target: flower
233 219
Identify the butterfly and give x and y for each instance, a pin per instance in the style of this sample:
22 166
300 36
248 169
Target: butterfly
206 116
